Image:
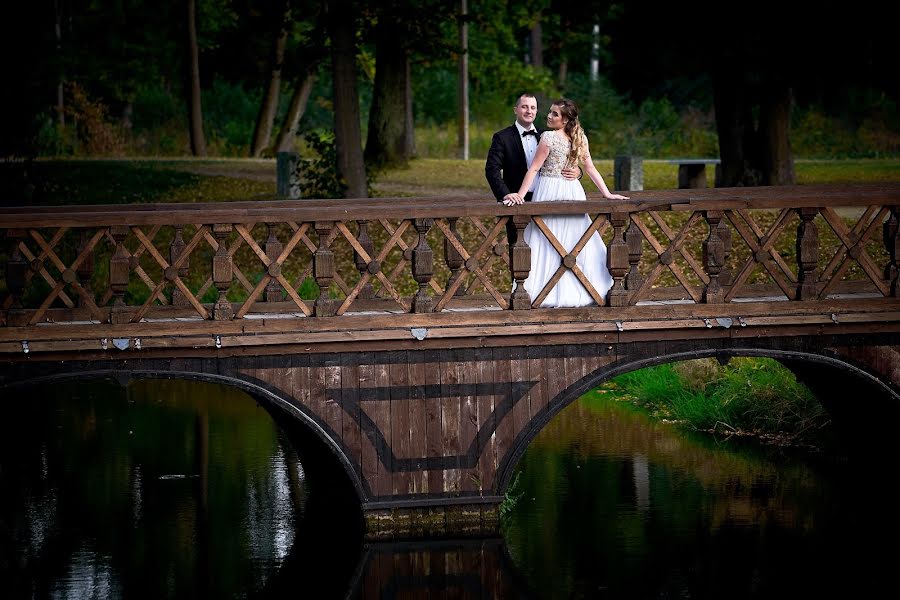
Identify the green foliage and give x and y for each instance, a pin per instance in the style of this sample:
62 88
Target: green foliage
319 174
229 115
748 395
511 498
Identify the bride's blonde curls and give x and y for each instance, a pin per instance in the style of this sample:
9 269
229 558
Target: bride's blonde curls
569 111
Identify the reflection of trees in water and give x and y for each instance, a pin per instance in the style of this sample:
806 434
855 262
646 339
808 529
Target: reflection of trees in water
161 488
611 498
748 485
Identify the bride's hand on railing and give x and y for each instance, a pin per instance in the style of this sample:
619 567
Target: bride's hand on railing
617 197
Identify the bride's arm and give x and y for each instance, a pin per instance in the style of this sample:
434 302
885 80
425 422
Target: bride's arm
597 178
540 155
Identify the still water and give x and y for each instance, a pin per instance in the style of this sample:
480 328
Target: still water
182 489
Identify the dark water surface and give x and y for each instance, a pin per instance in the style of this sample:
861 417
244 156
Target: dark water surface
183 489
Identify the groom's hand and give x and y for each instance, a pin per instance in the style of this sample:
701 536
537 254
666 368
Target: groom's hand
571 173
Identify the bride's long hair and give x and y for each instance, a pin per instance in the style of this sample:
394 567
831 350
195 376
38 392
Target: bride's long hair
578 150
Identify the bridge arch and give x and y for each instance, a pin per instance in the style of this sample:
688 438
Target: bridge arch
791 358
283 410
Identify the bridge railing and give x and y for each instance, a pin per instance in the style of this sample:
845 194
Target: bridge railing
326 258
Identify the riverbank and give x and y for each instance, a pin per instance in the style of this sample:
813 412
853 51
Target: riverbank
747 397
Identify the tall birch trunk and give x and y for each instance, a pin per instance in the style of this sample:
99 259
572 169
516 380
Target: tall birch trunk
288 134
265 120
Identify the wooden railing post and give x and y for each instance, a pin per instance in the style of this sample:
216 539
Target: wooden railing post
725 236
366 291
617 260
807 254
119 271
16 267
453 258
422 267
520 264
274 292
176 247
713 258
323 269
222 273
85 270
634 238
892 245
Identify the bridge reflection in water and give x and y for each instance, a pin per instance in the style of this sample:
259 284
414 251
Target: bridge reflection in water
427 378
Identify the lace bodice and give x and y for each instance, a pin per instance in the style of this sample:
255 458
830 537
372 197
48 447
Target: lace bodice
559 149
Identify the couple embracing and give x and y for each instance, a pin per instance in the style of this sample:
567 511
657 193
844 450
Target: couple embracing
525 164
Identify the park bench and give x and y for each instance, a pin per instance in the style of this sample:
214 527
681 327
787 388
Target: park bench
692 171
629 172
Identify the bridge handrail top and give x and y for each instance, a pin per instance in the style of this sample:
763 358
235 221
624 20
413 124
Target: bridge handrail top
441 207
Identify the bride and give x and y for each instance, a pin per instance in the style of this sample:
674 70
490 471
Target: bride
564 145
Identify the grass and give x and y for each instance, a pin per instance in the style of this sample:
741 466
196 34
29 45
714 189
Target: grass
748 396
56 182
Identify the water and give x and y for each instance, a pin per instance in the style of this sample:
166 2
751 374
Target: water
182 489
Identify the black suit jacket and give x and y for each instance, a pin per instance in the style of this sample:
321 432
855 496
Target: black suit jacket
505 167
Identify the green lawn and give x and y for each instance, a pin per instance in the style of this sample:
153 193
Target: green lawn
53 182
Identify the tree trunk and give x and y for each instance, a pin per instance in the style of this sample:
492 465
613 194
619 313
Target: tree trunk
60 84
410 118
775 124
753 151
386 142
737 134
262 133
537 46
195 109
348 138
463 82
288 134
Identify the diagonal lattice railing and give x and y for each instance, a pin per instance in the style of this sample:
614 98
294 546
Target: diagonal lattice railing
317 258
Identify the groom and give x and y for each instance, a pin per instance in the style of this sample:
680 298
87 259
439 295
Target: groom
512 150
511 153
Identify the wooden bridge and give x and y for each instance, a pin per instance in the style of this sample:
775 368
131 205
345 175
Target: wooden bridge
390 327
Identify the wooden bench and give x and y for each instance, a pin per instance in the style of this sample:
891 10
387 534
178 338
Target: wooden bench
692 171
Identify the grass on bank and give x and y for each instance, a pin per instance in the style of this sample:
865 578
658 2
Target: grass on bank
747 396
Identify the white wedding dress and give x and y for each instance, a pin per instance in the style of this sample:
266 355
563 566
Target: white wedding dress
568 229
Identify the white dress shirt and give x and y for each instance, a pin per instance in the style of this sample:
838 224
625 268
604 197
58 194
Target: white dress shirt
529 144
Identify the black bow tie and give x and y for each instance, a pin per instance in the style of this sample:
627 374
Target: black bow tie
530 132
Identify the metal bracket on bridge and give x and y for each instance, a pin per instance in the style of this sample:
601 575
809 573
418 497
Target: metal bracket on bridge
834 318
708 323
742 321
218 339
137 343
25 348
620 326
104 344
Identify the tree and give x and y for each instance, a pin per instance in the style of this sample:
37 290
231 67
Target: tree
402 29
288 133
751 62
348 138
195 109
262 133
386 144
